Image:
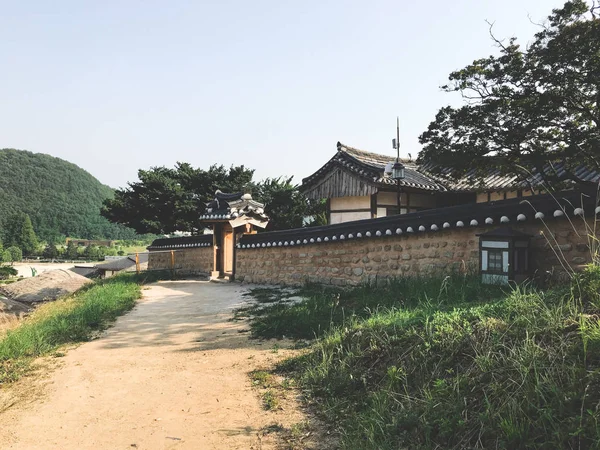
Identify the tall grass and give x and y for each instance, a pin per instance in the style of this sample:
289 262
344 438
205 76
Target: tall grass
454 364
70 320
323 307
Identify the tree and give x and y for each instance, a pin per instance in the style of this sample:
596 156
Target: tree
71 251
166 200
527 111
15 254
50 252
91 252
29 241
286 206
19 233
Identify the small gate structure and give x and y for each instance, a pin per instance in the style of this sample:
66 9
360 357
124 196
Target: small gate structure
230 216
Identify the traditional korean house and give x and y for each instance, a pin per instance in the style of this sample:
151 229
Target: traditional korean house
359 185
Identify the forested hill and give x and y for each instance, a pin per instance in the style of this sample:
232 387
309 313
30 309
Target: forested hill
61 198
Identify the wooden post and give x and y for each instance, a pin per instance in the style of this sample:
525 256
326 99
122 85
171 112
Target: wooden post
137 262
172 263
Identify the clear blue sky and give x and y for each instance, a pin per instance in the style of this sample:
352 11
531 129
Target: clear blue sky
114 86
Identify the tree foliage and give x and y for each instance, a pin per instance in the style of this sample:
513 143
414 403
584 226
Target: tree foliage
7 272
50 252
165 200
14 254
533 110
18 232
286 206
60 198
71 251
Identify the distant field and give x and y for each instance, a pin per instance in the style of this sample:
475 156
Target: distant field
25 268
135 249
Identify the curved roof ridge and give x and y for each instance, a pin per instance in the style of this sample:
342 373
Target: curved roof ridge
383 159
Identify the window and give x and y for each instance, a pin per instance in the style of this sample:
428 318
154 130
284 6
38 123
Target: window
393 210
495 261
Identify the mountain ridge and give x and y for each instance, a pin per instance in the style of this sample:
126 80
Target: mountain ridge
61 198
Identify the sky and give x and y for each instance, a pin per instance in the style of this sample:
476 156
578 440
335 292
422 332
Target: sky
118 86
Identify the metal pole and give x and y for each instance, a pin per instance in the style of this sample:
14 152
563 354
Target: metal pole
398 160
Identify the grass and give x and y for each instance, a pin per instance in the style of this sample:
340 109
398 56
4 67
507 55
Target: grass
71 320
323 307
449 363
270 400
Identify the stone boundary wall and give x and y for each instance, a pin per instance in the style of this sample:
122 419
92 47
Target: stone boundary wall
191 261
351 262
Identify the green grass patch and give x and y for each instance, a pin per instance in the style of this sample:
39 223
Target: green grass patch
325 307
68 321
270 400
450 363
262 379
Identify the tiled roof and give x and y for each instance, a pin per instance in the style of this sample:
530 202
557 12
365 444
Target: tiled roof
122 263
371 166
175 243
490 214
231 206
497 181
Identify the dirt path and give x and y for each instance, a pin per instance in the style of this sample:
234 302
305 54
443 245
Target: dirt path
171 374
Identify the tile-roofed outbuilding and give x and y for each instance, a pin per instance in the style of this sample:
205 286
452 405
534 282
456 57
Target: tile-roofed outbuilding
370 168
124 263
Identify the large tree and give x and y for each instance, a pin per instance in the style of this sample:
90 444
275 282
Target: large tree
165 200
533 110
18 232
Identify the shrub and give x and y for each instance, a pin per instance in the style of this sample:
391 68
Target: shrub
7 272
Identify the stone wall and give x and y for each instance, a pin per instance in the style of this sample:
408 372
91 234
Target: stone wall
356 261
193 261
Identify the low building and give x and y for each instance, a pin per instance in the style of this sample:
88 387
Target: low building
88 242
111 267
84 270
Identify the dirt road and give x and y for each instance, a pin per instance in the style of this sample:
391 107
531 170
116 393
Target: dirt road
171 374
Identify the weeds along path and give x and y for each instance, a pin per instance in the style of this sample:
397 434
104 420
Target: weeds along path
172 373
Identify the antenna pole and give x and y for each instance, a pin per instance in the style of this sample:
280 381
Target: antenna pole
398 197
398 138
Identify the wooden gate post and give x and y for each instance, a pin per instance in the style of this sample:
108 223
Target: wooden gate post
172 263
